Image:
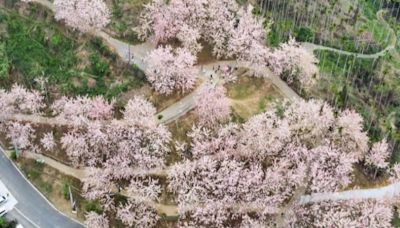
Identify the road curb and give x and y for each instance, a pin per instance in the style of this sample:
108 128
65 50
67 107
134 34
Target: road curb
33 186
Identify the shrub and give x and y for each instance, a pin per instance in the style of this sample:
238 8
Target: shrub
4 64
304 34
13 155
65 191
93 205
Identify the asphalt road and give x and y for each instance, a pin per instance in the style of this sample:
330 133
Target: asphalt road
32 209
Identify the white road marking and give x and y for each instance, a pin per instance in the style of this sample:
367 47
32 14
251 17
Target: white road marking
30 221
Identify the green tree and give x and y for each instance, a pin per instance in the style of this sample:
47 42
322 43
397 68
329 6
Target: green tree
7 224
4 63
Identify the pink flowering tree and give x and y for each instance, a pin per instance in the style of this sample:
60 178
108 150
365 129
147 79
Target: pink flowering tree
377 156
169 70
294 63
83 15
138 214
212 105
20 135
248 36
158 20
94 220
220 25
48 142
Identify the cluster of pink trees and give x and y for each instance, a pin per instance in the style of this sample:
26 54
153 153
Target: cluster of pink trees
115 150
170 70
247 173
232 30
83 15
20 100
89 144
81 109
241 174
189 21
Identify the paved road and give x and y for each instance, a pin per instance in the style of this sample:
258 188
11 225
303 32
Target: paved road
32 209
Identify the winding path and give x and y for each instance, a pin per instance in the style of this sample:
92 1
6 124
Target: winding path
311 47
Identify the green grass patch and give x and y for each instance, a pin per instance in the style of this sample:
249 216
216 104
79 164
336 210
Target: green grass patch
37 47
396 221
370 8
92 205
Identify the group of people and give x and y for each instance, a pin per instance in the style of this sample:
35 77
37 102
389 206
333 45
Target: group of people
226 72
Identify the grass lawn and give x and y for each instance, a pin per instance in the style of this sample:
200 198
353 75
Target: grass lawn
251 96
